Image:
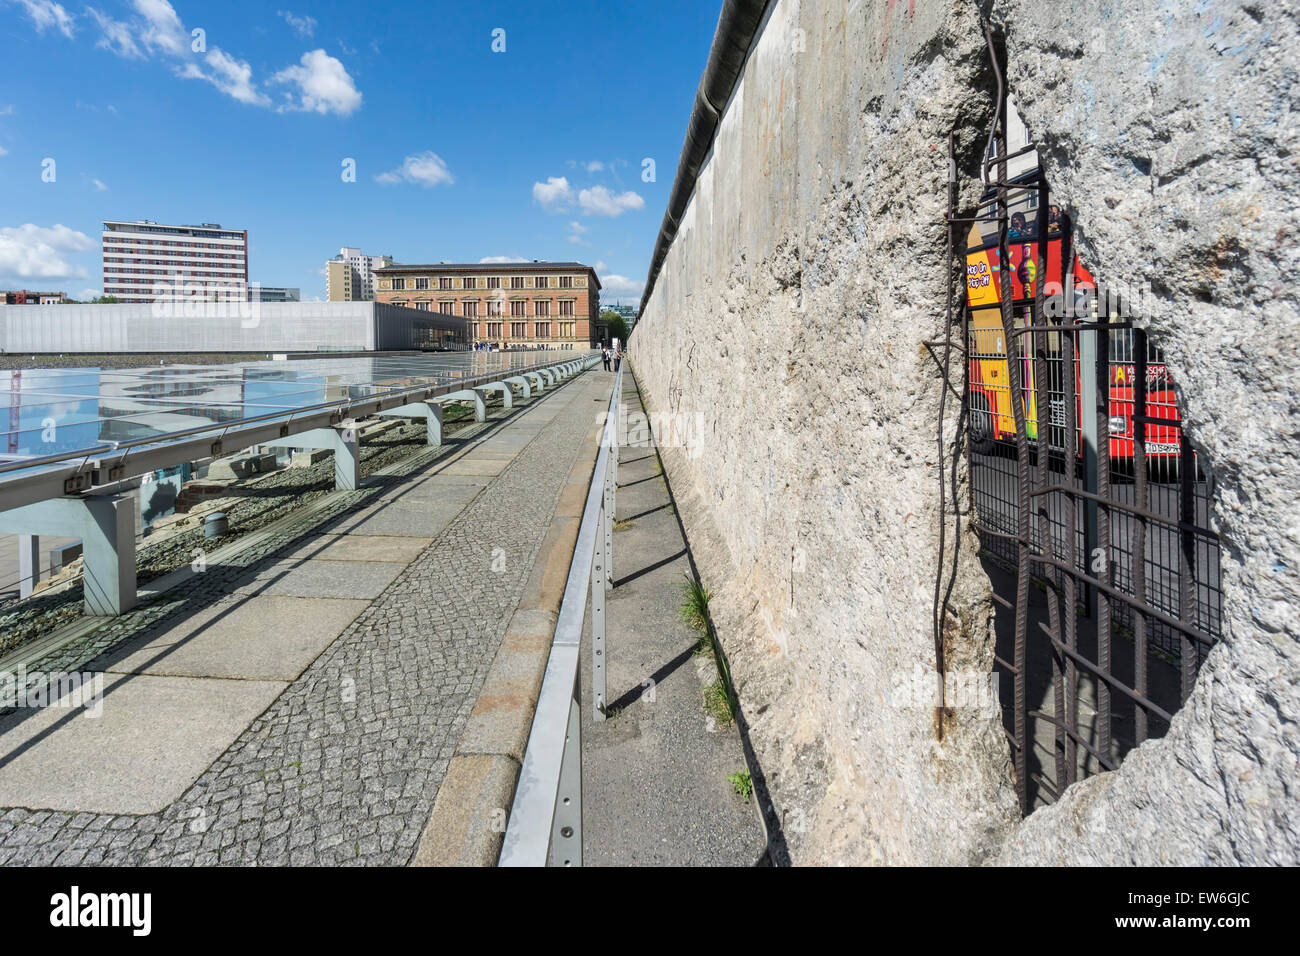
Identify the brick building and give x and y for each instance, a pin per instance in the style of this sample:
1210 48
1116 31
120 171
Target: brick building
531 304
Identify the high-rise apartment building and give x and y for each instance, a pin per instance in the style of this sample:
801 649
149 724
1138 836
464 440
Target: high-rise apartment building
530 304
145 261
349 276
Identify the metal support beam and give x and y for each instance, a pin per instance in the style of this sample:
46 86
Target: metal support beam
599 583
431 412
522 382
474 395
342 441
507 396
566 831
29 563
106 526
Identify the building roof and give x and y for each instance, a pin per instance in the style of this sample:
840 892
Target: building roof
491 268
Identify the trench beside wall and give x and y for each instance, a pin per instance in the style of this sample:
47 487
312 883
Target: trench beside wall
786 331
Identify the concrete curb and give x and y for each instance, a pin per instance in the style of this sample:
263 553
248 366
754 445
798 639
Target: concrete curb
467 824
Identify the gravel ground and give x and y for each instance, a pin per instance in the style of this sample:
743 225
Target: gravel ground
263 502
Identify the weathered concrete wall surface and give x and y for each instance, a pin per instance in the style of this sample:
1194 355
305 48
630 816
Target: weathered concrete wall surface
789 323
790 317
1171 129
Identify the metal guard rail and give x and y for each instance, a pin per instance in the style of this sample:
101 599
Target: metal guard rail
545 825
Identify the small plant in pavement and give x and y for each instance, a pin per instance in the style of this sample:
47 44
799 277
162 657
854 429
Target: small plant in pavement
741 784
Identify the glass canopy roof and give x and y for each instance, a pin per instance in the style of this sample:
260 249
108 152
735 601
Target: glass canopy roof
64 410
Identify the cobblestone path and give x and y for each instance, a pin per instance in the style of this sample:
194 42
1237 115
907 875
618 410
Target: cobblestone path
344 766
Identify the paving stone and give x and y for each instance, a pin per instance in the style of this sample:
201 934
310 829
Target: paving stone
368 728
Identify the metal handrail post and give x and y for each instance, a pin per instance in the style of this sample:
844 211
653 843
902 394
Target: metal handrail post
598 595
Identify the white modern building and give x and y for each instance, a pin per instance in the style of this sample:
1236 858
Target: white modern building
226 326
271 293
146 262
350 276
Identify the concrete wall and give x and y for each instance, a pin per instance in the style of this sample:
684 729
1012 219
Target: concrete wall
213 327
787 328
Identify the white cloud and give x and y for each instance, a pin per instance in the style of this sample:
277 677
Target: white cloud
33 252
85 295
555 194
45 14
425 169
3 151
599 201
577 227
595 166
161 29
497 260
115 36
324 85
232 77
304 26
619 287
7 110
99 185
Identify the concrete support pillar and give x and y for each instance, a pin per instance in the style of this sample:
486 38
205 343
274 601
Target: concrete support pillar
342 441
536 379
431 412
29 563
106 526
469 395
522 382
506 395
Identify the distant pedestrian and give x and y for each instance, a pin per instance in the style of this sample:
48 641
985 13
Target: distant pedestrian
604 355
618 358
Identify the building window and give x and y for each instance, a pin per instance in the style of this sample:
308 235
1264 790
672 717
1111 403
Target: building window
444 282
494 282
566 282
516 282
447 308
542 330
494 306
543 282
541 307
517 307
421 284
469 282
494 330
469 309
399 284
422 306
567 330
566 307
519 330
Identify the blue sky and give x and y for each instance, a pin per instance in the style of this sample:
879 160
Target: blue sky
461 152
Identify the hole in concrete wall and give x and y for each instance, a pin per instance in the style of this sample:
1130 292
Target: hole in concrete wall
1091 506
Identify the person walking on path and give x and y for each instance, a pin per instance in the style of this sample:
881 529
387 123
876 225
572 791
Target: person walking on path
618 357
604 354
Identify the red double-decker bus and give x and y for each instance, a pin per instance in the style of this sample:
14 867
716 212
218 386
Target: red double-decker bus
991 418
